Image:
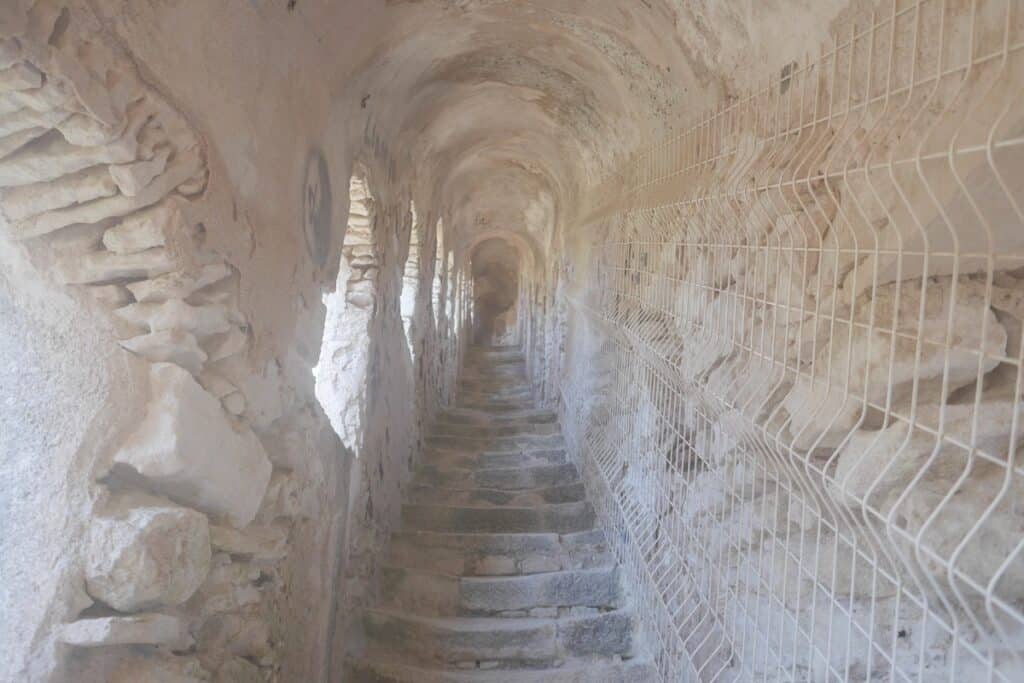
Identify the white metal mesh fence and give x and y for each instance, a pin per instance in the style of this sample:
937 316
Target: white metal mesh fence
795 374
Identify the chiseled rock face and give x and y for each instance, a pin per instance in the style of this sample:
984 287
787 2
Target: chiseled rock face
144 554
188 448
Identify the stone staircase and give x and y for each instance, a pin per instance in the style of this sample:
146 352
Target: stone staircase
499 572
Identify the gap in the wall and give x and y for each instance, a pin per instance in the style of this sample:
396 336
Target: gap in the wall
344 353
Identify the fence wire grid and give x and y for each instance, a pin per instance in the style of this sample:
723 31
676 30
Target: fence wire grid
792 374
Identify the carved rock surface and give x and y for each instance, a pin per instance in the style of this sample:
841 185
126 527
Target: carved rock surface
189 449
145 553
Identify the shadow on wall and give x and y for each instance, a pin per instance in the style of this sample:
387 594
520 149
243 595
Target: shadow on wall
495 264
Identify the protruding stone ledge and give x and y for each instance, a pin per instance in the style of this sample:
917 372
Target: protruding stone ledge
140 629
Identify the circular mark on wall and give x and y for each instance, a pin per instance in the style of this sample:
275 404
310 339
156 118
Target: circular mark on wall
316 209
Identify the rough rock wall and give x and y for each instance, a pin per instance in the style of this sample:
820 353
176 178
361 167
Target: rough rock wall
98 171
205 500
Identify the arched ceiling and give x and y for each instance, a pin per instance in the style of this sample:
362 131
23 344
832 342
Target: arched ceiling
508 111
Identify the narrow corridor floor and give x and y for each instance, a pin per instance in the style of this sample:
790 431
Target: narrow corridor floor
499 572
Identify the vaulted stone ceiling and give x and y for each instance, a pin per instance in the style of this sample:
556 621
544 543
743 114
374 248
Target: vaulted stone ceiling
509 111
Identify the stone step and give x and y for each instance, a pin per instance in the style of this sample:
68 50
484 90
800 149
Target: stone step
522 458
497 443
502 372
510 643
495 406
508 382
496 356
462 459
505 479
507 378
492 357
496 363
463 416
497 554
388 671
483 394
498 379
489 497
561 518
509 369
517 400
491 430
533 595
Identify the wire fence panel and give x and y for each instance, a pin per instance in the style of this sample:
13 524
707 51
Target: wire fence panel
796 378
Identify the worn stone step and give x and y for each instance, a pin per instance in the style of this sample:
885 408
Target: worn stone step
487 401
497 407
511 378
483 497
510 643
388 671
482 447
561 518
508 378
483 394
443 458
497 443
496 354
501 380
523 458
503 371
492 430
463 416
518 400
507 479
514 372
494 364
473 554
534 595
